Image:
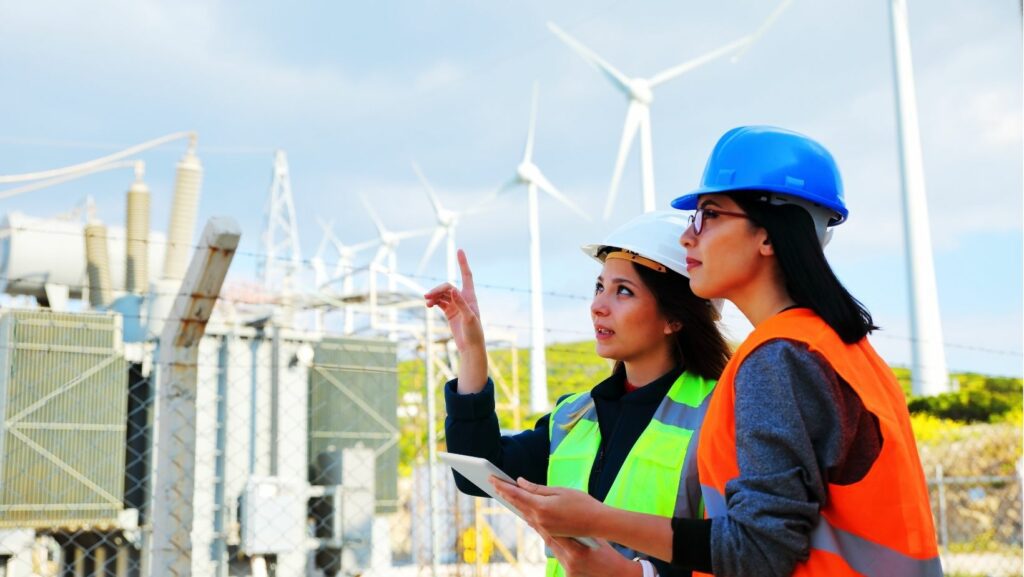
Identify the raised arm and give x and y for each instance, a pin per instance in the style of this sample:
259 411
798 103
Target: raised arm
463 313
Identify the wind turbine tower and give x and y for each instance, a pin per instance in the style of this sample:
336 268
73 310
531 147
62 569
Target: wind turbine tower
928 373
282 254
529 174
640 93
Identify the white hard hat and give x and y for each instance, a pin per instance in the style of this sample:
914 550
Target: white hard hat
653 235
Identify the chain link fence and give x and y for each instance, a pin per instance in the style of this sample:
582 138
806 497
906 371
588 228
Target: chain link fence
311 459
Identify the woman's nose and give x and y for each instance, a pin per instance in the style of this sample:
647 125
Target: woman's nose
598 307
688 237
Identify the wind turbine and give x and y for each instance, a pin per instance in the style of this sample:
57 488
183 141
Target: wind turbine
447 220
346 255
387 252
343 267
640 92
528 174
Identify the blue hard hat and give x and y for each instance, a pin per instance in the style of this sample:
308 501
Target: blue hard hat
766 158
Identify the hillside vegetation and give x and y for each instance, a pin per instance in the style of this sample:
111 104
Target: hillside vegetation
574 367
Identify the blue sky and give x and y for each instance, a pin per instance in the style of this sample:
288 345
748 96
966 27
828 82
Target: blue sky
355 91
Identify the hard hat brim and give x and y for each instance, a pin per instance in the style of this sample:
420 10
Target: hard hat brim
689 201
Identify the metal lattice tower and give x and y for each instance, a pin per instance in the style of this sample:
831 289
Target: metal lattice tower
282 253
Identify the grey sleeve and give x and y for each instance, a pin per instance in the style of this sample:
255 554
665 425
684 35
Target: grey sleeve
789 430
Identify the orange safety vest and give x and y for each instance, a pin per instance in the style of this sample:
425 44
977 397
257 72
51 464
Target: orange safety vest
879 526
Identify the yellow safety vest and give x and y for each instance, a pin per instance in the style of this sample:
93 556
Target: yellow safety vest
659 476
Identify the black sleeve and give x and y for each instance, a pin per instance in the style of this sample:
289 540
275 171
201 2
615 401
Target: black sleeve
691 543
471 428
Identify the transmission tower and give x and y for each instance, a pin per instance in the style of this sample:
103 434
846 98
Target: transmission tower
282 253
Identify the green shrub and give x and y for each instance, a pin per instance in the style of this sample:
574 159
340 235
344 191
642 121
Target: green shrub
980 399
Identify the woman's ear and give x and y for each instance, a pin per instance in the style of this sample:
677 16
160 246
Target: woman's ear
766 247
673 327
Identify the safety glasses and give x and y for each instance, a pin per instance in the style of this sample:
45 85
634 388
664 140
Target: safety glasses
701 214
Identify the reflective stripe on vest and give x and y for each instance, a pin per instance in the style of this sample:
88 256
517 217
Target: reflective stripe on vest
865 557
881 525
658 476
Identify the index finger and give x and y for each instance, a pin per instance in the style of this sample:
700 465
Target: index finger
467 276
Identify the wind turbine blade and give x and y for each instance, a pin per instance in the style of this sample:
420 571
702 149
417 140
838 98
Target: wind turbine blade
382 251
326 227
487 199
666 75
543 183
481 206
768 22
373 215
413 233
339 246
633 115
528 151
434 241
430 190
363 246
509 185
613 74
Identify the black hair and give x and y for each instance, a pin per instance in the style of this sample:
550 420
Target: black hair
809 279
698 344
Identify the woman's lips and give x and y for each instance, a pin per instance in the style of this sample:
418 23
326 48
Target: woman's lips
692 263
603 333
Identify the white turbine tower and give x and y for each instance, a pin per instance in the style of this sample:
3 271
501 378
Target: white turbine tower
527 173
640 93
928 374
447 220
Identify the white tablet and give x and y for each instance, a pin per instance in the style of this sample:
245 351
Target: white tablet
479 471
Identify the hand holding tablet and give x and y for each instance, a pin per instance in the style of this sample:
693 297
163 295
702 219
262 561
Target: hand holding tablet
479 471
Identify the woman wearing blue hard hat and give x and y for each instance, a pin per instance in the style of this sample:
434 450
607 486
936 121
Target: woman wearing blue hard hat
631 440
807 462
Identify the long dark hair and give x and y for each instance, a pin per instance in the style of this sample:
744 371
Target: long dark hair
698 345
809 279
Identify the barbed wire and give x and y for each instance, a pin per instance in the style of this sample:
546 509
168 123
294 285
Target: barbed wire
524 327
950 345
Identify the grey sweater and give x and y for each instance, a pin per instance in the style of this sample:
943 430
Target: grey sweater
799 427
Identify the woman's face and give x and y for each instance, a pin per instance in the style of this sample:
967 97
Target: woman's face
627 324
727 255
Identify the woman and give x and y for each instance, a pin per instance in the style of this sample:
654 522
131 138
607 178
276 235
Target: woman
631 440
806 459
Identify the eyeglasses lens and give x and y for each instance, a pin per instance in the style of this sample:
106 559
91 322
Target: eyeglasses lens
697 220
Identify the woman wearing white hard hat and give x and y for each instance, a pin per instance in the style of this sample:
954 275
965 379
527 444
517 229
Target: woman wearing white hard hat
807 462
631 440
